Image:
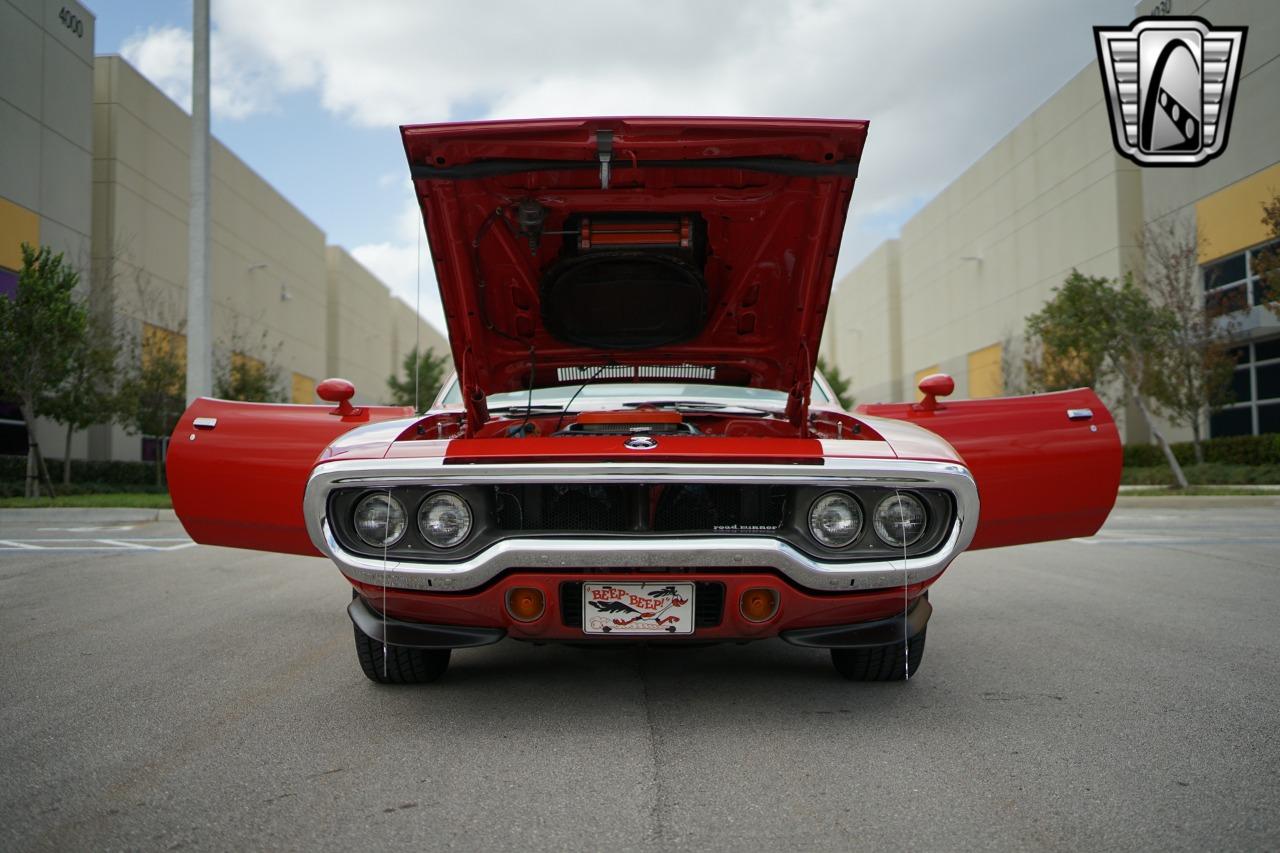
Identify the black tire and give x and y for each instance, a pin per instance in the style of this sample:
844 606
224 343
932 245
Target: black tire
880 663
401 665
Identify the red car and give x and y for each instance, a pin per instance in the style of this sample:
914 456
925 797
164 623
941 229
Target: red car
635 447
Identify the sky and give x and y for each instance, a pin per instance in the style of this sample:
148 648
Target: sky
310 93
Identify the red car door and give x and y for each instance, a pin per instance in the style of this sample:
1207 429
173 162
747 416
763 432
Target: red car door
238 471
1047 465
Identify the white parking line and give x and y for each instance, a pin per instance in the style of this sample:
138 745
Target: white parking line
1177 540
66 544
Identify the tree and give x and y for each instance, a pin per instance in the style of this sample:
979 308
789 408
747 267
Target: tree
430 377
1014 358
1267 262
243 377
39 330
1102 334
1191 374
90 393
838 381
153 391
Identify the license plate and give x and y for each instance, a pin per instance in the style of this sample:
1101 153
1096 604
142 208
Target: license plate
637 608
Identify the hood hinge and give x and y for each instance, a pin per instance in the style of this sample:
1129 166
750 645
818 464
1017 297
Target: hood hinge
604 150
473 396
801 387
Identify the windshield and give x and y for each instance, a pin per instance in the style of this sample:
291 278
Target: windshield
617 392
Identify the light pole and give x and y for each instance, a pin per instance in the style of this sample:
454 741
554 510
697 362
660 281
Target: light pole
199 334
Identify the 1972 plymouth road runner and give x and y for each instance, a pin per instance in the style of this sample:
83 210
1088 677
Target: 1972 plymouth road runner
635 447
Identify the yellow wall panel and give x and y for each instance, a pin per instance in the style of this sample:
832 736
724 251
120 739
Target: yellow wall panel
986 374
240 361
17 226
1231 219
921 374
304 389
160 343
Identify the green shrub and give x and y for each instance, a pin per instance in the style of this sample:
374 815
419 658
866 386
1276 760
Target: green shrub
113 472
14 488
1228 450
1210 473
1142 456
1244 449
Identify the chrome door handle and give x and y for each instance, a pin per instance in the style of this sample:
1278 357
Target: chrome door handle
1079 414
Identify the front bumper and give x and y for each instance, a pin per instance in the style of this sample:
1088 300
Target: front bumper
418 635
648 553
456 620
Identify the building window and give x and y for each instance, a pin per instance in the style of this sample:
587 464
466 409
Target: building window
13 429
1232 283
151 448
1255 385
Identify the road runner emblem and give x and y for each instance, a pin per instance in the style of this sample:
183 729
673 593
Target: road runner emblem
1171 85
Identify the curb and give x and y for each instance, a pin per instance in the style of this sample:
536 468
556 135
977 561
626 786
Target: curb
85 514
1260 487
1197 501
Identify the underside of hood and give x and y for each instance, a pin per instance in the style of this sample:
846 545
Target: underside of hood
616 249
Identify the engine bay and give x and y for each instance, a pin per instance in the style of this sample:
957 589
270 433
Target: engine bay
646 421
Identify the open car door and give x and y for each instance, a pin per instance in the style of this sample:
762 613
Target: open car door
1047 465
238 471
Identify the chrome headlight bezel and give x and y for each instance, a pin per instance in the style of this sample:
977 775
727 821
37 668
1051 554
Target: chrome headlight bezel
393 527
828 500
881 521
458 504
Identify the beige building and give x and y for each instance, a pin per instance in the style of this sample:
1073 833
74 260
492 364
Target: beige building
953 291
280 295
370 332
46 149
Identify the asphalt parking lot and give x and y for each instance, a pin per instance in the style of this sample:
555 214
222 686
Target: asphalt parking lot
1121 692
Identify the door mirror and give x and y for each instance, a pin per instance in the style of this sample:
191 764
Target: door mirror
338 391
933 386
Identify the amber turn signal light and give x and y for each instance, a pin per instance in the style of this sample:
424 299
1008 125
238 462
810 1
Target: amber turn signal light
525 603
759 604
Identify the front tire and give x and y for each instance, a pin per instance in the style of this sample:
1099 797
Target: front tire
400 665
895 662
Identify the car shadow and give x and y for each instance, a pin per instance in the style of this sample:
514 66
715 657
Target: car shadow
597 682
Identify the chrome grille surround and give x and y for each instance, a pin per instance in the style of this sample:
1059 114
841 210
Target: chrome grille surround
682 552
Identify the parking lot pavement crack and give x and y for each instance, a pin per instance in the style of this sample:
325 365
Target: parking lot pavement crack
657 819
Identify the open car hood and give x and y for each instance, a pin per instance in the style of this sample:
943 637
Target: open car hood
634 248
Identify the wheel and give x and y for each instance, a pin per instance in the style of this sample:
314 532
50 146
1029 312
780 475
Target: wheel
880 663
401 665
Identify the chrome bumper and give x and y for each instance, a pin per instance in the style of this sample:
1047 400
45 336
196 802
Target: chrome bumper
588 552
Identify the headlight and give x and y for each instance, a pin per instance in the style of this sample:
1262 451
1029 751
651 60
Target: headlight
380 520
900 520
444 519
835 519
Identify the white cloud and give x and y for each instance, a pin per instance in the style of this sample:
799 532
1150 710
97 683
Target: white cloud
396 262
940 82
240 85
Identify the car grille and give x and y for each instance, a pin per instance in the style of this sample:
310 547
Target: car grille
708 604
616 508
